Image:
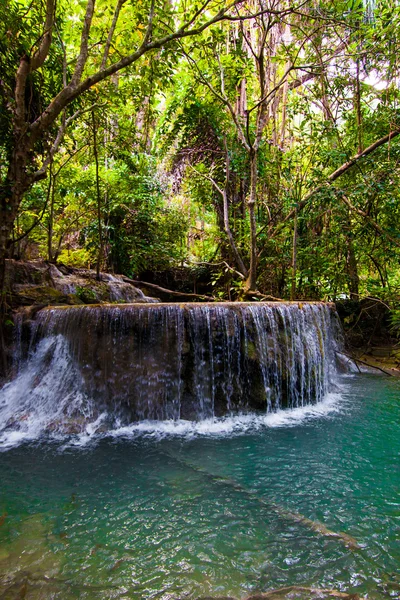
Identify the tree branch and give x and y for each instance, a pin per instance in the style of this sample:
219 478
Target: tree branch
77 87
111 33
338 173
83 52
210 179
41 53
165 291
41 173
371 221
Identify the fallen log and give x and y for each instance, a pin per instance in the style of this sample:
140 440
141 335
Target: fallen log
281 593
281 511
164 292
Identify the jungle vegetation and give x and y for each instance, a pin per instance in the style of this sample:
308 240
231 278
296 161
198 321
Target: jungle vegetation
255 138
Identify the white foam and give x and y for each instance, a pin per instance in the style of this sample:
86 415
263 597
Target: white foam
47 400
45 397
223 427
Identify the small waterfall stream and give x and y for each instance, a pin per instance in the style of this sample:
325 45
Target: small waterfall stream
98 366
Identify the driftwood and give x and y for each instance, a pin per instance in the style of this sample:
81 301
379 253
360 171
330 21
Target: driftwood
282 512
164 292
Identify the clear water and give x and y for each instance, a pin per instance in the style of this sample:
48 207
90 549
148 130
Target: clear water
224 508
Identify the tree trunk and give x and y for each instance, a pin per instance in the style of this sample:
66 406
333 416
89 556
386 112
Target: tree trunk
238 259
352 270
225 195
251 203
99 223
357 106
294 260
10 199
51 216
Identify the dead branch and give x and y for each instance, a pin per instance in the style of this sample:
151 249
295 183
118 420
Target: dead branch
367 364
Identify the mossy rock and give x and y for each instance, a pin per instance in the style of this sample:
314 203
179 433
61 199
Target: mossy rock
73 299
93 293
87 295
45 296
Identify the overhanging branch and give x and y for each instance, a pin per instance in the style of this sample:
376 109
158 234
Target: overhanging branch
336 174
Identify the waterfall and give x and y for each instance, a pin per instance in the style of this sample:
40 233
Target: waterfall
118 364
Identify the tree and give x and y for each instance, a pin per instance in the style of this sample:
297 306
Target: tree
35 135
41 105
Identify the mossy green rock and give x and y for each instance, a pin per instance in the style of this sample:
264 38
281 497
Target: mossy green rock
43 295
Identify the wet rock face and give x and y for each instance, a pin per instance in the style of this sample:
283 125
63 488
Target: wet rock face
40 283
192 361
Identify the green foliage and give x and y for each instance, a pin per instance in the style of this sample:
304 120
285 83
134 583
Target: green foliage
79 258
87 295
170 133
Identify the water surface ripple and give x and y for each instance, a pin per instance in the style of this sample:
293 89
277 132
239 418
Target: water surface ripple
147 514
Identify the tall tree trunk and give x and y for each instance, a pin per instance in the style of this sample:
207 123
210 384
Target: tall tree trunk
225 195
51 215
99 223
352 270
11 193
251 203
294 260
357 106
238 259
351 263
3 311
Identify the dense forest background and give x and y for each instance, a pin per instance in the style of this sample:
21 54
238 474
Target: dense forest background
252 145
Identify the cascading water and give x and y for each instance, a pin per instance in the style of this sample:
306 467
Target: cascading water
111 365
